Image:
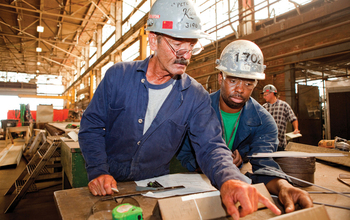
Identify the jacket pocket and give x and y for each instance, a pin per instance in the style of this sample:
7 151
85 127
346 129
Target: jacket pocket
112 116
174 134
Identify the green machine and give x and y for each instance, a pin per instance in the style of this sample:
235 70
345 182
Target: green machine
127 211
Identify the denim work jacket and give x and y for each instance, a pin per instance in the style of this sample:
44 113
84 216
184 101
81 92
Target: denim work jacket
256 133
111 130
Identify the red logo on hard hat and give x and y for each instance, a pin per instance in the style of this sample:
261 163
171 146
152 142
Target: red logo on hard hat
167 25
154 16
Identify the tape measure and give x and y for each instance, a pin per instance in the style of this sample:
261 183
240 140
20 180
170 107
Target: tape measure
127 211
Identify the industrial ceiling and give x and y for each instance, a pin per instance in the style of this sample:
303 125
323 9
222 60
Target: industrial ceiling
47 36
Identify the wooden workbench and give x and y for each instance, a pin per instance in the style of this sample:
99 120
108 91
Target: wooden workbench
76 203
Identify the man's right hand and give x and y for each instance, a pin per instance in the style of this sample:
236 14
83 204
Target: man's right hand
233 191
237 159
102 185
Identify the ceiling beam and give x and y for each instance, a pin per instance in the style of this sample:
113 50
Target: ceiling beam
52 14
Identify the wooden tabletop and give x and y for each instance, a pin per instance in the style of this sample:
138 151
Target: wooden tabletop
77 203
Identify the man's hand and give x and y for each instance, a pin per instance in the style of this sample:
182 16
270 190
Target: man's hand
289 195
237 159
102 185
233 191
296 131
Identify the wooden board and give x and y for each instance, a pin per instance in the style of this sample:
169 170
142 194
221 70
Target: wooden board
11 155
345 161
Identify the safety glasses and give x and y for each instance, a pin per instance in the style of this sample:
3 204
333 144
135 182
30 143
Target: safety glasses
197 48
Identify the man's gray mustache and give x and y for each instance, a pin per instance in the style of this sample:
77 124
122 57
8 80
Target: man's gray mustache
182 61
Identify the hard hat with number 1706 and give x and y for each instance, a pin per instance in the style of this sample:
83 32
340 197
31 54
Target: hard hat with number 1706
243 59
176 18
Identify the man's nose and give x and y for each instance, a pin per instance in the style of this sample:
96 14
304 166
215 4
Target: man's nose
187 55
239 86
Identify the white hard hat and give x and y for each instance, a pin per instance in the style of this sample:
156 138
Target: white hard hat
269 88
176 18
243 59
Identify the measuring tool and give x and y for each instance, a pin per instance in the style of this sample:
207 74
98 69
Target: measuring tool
127 211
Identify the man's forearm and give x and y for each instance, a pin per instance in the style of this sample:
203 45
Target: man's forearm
295 125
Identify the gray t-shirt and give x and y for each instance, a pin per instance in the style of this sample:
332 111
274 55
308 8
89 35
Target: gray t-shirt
156 97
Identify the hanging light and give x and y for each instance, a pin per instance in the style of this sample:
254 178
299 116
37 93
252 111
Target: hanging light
38 63
40 29
38 49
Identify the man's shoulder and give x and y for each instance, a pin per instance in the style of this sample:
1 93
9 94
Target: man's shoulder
192 84
254 106
283 103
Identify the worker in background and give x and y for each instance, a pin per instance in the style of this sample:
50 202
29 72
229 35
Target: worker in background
141 111
281 112
28 118
247 127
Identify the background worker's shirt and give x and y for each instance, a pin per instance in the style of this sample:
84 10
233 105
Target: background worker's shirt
282 113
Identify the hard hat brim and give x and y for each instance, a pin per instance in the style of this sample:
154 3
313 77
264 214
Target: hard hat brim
244 75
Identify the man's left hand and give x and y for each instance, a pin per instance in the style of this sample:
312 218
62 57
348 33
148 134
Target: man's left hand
296 131
289 195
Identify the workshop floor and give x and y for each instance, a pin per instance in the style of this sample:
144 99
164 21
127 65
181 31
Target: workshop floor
34 206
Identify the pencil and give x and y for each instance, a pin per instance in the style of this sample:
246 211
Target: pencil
115 190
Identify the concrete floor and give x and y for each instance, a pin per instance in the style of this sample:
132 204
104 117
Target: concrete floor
34 206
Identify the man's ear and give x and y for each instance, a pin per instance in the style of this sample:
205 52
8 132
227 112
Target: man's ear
152 39
220 78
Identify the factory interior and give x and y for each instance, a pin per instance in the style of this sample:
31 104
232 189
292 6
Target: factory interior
55 53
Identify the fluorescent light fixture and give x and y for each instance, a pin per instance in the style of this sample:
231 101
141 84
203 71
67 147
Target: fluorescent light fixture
38 49
40 29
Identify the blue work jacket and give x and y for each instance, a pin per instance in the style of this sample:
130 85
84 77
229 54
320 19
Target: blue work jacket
111 130
256 133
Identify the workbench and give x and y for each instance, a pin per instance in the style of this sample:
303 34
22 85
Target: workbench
76 203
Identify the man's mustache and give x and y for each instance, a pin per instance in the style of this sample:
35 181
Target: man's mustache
236 95
182 61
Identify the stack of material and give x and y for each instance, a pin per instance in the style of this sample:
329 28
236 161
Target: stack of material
345 161
299 167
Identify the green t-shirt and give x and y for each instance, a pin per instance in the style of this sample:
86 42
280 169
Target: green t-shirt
229 121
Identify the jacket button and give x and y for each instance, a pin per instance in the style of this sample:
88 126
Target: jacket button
140 120
143 80
139 142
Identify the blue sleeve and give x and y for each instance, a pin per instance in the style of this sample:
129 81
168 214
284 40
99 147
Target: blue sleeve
187 155
92 131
